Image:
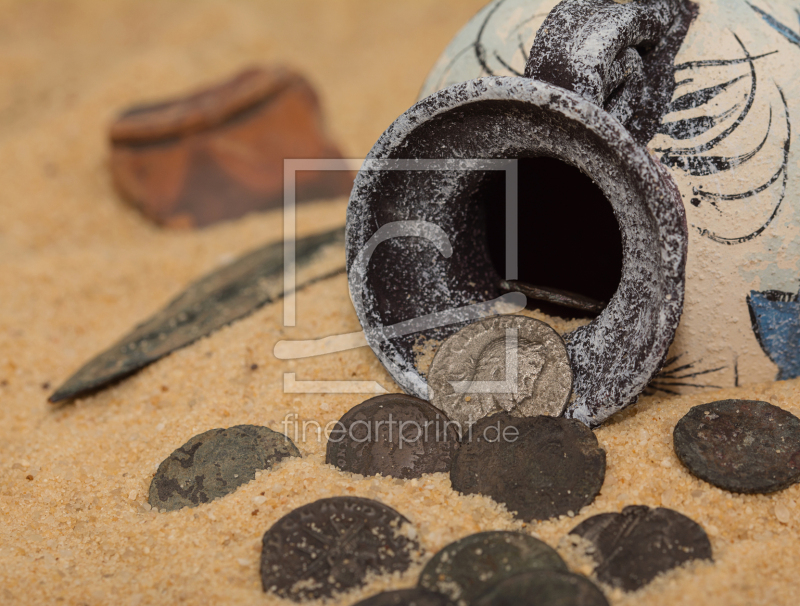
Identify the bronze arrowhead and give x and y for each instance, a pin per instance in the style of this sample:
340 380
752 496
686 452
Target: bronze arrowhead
219 298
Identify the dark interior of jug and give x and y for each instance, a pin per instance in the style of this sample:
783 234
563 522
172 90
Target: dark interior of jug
593 209
585 259
568 232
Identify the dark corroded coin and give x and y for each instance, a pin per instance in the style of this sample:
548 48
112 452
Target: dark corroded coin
466 569
540 467
331 545
544 588
406 597
504 363
394 435
740 445
634 546
215 463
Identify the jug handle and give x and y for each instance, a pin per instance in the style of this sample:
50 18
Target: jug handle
595 48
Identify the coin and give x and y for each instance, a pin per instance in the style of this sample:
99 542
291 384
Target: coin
393 435
505 363
215 463
544 588
540 467
331 545
406 597
465 569
634 546
740 445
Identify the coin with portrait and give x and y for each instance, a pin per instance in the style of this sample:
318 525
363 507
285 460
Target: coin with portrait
513 364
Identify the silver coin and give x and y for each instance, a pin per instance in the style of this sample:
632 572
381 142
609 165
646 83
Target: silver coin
504 363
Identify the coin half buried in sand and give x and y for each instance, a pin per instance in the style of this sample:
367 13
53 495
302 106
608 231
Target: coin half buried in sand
468 568
539 467
544 588
406 597
740 445
393 435
215 463
331 545
510 363
634 546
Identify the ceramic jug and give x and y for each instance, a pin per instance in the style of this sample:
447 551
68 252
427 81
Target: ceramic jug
655 137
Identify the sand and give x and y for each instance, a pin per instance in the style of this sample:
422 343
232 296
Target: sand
78 268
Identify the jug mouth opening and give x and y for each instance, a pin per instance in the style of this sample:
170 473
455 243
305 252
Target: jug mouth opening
549 134
568 236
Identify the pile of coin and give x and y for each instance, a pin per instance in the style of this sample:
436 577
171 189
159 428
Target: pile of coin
496 568
507 380
497 390
498 387
330 546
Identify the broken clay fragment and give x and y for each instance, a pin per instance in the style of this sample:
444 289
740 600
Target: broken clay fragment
218 153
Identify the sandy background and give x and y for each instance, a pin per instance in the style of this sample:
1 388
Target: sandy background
78 269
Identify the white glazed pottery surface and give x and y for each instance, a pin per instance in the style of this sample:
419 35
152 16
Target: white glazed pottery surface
727 140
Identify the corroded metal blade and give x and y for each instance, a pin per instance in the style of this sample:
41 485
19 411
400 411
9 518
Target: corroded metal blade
219 298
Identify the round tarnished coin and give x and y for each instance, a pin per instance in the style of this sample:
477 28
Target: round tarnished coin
740 445
331 545
215 463
544 588
466 569
540 467
406 597
508 363
634 546
393 435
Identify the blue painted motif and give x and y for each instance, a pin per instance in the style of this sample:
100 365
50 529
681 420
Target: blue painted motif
787 32
776 315
776 323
